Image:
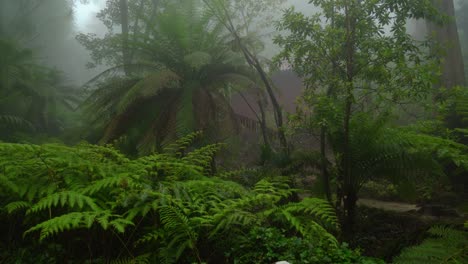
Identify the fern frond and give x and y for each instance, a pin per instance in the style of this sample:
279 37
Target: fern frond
77 220
181 144
63 223
148 87
120 180
182 234
65 198
8 184
143 259
310 229
318 209
15 122
13 207
203 156
445 246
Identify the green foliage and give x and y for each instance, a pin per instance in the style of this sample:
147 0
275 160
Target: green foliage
267 245
33 97
444 245
186 67
453 110
162 206
358 63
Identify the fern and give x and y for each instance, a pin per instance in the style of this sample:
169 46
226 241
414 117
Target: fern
181 230
317 209
16 206
143 259
15 122
203 156
77 220
445 245
120 180
180 146
69 198
163 204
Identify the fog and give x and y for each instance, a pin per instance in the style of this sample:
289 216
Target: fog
49 28
233 131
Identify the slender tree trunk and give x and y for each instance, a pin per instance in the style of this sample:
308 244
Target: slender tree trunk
453 70
125 49
278 113
350 196
347 178
350 200
263 126
224 17
135 29
261 119
324 163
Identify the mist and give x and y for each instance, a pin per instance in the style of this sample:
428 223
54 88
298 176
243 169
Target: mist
234 131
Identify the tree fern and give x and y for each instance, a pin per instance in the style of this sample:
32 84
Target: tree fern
183 94
10 121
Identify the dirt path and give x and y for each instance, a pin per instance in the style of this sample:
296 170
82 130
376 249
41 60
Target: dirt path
388 206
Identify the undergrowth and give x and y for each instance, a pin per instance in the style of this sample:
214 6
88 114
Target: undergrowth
92 204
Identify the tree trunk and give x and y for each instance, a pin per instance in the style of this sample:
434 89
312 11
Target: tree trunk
278 113
263 126
350 200
347 177
224 17
447 35
125 50
324 164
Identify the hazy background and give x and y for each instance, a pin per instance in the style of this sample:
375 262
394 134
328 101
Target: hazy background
56 41
56 24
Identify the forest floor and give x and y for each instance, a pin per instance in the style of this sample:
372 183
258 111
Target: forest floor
388 206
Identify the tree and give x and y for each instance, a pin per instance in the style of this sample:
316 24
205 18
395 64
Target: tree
178 89
446 35
134 18
124 21
355 56
462 24
33 97
237 17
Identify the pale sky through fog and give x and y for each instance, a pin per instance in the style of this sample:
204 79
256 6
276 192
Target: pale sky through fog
85 15
86 22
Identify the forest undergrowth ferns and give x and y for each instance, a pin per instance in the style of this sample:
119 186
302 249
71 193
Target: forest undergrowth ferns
163 206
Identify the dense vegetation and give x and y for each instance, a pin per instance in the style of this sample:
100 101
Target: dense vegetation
149 162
